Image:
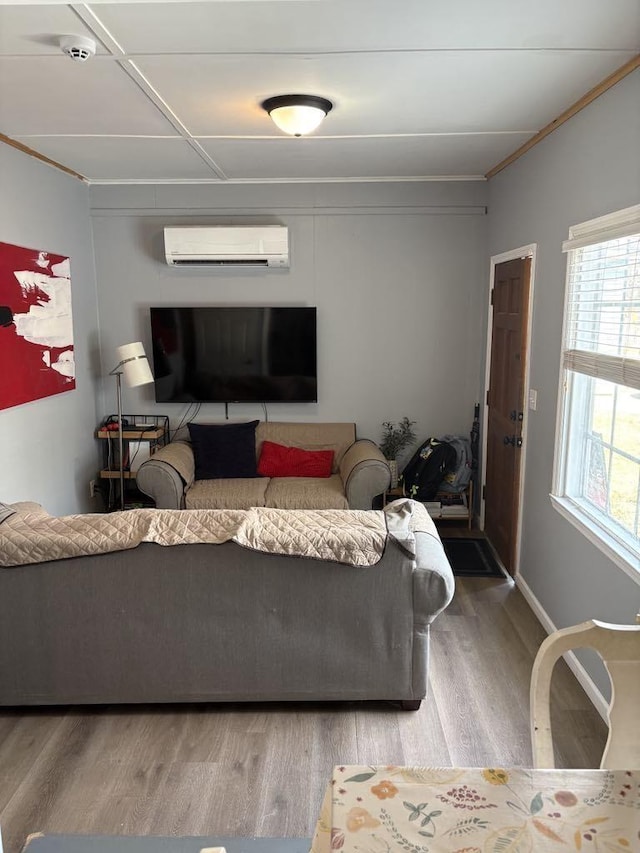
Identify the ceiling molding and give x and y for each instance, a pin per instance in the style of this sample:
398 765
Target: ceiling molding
579 105
393 179
36 155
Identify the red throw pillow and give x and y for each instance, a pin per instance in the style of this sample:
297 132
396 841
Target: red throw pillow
276 460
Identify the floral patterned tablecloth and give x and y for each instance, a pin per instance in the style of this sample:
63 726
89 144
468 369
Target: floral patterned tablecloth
479 810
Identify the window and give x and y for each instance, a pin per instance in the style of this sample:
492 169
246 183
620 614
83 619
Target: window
597 473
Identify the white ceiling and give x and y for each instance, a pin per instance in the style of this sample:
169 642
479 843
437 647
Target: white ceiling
422 89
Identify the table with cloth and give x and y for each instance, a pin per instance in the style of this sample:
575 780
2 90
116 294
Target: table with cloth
478 810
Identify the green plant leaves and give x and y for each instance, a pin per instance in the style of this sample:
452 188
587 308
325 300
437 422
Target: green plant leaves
360 777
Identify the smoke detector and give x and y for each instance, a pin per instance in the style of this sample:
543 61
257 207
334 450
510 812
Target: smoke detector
79 48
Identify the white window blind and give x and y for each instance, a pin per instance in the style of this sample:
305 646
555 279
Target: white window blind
602 330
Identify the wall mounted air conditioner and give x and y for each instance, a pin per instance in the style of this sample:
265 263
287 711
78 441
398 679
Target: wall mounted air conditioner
221 245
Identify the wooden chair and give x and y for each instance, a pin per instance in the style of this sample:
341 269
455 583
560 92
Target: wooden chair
619 648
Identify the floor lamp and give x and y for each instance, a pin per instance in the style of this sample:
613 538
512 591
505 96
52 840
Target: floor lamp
134 366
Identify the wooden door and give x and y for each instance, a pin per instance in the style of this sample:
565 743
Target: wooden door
506 402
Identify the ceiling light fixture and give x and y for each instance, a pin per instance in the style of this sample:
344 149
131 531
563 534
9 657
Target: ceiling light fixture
297 114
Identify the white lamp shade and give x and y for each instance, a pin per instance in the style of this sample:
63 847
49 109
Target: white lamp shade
135 367
297 119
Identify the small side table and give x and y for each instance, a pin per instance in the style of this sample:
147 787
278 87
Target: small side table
393 495
138 431
460 509
463 501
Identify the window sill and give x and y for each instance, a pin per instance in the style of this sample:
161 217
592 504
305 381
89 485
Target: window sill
612 548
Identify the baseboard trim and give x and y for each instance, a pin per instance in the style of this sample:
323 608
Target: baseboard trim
585 680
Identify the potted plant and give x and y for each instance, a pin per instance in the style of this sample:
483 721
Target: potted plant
395 438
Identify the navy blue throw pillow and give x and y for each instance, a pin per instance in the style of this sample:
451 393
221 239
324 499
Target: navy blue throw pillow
222 451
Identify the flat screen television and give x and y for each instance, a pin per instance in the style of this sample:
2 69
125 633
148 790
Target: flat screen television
234 354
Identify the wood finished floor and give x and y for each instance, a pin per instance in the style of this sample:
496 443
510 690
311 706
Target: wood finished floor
260 770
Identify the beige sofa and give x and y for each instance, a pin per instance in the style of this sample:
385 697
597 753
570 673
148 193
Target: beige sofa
360 472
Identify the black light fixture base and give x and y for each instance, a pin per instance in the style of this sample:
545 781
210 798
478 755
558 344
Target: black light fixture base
297 101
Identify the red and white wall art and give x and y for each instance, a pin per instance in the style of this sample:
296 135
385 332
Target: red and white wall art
36 329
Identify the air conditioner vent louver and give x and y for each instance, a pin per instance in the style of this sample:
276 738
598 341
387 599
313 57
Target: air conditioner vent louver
224 246
220 262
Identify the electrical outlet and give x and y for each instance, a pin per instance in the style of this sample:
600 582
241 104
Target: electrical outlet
92 488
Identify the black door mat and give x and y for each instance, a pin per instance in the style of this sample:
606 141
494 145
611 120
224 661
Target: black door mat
472 558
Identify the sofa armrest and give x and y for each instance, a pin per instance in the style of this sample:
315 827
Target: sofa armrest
433 589
167 474
365 473
433 581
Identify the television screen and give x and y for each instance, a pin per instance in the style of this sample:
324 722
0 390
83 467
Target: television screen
234 355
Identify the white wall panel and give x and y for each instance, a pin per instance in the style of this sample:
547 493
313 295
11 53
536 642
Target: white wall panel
397 276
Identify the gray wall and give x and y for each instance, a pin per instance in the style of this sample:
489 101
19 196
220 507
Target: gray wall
397 272
47 449
588 167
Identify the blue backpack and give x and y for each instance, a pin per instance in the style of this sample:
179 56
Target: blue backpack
457 479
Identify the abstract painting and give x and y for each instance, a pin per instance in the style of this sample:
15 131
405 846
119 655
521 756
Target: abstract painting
36 329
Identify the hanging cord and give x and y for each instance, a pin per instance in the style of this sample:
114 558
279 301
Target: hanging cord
193 410
132 459
266 414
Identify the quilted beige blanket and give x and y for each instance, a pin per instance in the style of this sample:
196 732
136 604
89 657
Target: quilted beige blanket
354 537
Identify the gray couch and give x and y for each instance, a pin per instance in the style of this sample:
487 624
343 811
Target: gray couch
211 623
359 473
